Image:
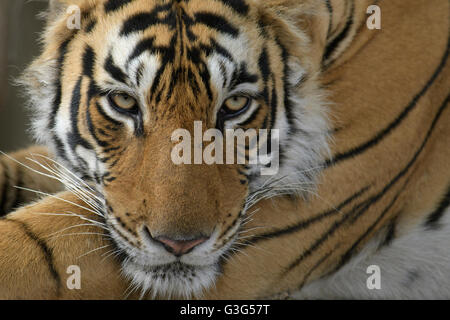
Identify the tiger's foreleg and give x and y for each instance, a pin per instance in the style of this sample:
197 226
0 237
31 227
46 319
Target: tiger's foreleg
57 248
19 171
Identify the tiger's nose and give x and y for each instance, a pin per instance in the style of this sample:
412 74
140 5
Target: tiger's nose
180 247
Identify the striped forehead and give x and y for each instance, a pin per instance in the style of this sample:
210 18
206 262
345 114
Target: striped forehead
139 42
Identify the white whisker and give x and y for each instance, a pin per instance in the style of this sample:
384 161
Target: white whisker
58 198
81 234
72 227
94 250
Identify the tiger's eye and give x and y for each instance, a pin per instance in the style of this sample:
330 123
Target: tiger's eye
236 103
124 101
232 108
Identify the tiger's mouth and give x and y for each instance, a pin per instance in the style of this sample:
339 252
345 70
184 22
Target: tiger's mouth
173 280
154 272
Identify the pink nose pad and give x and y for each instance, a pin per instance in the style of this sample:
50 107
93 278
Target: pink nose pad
180 247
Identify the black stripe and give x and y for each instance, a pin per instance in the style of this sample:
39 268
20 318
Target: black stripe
223 72
91 128
111 149
273 104
217 23
88 61
203 73
93 91
390 234
286 88
113 5
59 148
18 196
433 219
334 45
103 133
264 65
144 20
241 75
136 23
58 86
167 55
330 11
218 49
323 238
193 82
114 71
75 138
46 251
143 46
90 26
238 6
115 156
139 74
385 132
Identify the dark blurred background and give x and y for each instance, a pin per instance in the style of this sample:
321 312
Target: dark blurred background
19 33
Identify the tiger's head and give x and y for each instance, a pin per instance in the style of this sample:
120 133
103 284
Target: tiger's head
117 78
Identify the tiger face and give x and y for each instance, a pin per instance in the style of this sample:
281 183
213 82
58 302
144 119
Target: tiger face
109 96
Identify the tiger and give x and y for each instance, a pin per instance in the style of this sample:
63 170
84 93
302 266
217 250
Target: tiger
363 179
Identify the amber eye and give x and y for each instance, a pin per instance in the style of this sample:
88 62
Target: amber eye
235 105
124 102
